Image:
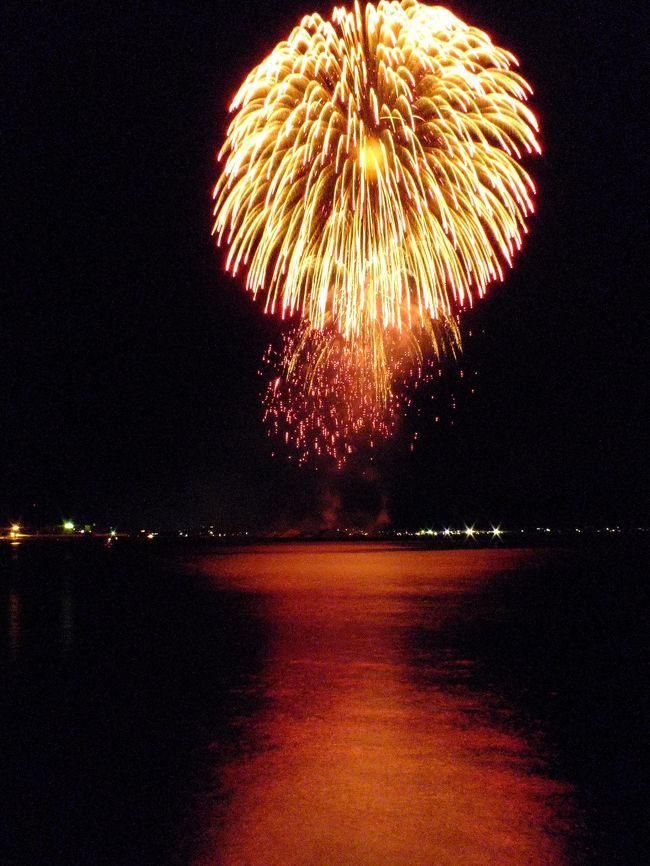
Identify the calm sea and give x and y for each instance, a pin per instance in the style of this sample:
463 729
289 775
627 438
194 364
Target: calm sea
322 705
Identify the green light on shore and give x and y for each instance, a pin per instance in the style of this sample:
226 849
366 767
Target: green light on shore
68 525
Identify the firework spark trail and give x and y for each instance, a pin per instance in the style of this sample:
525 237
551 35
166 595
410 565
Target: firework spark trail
372 185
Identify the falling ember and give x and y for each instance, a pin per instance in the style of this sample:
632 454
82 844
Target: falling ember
335 397
372 185
327 399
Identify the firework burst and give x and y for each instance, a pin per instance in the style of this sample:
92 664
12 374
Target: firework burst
371 173
372 185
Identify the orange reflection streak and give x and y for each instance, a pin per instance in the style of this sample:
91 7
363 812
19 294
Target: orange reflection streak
363 756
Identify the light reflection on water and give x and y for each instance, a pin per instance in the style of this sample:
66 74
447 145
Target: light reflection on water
368 749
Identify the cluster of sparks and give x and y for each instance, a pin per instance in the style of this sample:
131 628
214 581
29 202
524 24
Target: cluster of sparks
372 186
331 396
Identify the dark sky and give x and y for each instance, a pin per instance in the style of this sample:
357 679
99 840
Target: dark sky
129 359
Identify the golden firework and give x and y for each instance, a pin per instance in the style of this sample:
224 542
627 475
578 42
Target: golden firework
372 173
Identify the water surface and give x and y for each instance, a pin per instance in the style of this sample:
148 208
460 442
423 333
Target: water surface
310 705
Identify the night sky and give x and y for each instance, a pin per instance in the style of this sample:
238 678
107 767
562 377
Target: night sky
129 358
